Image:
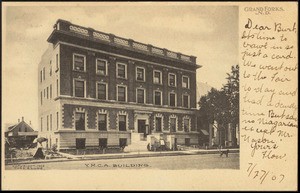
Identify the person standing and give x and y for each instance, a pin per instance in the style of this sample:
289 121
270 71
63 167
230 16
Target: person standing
39 152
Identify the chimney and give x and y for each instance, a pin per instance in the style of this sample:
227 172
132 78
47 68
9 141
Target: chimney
29 122
18 120
22 118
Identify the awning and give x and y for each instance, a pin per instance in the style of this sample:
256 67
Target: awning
204 132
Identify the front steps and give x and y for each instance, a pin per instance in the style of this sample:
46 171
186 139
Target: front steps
138 143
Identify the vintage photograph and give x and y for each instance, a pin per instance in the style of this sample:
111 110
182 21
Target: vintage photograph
111 87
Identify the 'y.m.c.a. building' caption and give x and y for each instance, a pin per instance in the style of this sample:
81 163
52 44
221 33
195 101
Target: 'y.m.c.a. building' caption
97 89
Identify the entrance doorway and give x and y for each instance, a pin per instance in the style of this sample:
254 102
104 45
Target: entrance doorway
142 127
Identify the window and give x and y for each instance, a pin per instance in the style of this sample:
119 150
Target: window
78 62
56 87
101 67
123 142
172 79
47 92
50 91
185 102
185 82
41 98
50 122
172 99
41 75
80 143
140 74
79 121
102 94
57 120
44 73
102 142
157 77
140 95
50 70
157 98
173 124
186 125
187 141
121 70
121 93
158 123
41 123
79 88
122 122
102 122
56 61
47 122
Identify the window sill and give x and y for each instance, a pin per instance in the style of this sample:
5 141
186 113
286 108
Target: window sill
80 97
98 74
122 78
102 100
78 70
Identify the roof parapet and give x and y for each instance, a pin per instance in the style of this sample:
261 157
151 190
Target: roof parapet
66 26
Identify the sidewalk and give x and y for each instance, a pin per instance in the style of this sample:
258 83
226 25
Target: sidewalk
69 157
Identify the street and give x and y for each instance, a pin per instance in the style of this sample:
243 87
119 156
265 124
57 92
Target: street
209 161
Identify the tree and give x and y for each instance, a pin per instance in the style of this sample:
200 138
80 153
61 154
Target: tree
223 105
231 90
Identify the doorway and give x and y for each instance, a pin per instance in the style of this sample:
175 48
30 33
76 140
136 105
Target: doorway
142 127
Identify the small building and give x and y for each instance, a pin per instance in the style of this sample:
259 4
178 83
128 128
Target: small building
21 134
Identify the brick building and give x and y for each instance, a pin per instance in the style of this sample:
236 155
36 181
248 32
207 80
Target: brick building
99 89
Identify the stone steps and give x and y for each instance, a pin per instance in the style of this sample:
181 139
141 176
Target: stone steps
137 146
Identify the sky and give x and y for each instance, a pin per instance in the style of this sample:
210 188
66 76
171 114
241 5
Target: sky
208 32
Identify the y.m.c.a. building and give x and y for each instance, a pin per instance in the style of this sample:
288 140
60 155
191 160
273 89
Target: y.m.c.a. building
99 89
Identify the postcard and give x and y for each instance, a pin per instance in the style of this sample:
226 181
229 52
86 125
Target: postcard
149 96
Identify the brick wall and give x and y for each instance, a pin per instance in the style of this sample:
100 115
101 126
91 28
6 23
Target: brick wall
67 75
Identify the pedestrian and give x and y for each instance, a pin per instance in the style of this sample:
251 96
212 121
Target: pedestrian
162 144
39 151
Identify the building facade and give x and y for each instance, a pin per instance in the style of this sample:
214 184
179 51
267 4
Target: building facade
96 89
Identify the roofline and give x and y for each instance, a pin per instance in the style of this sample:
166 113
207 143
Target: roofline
111 39
19 124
